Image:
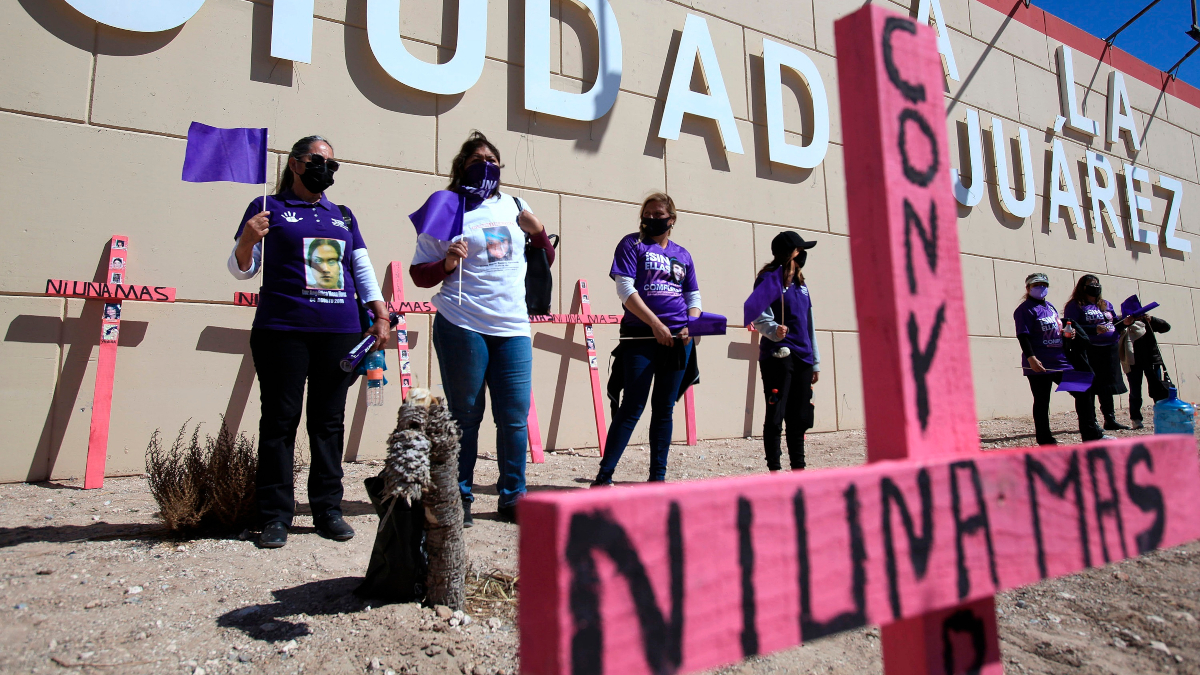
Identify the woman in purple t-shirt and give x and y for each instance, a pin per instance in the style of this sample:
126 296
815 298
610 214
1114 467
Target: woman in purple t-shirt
788 356
1041 334
315 273
1097 318
656 281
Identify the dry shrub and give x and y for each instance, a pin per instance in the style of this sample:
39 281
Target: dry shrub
203 485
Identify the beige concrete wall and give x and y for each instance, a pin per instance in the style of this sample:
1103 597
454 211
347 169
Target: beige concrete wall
94 120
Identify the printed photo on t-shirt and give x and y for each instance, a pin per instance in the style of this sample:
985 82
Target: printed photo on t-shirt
678 270
323 263
499 244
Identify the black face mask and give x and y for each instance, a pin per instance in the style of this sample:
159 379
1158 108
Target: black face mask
317 178
801 258
654 227
1092 291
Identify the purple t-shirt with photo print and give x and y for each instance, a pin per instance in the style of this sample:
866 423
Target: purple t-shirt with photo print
661 276
1039 319
307 283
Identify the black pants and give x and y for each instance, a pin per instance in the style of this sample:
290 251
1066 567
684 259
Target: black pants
787 383
1154 386
1041 384
284 360
1085 410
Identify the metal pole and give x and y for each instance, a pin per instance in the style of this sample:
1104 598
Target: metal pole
1109 40
1178 63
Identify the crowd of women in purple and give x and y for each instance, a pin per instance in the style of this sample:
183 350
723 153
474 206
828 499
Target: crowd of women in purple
318 284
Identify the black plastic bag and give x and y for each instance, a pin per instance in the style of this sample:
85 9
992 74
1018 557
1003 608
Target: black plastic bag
399 562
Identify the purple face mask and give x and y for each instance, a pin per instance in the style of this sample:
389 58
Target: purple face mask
1039 292
480 180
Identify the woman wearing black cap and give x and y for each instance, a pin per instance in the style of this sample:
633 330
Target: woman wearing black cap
788 356
1097 318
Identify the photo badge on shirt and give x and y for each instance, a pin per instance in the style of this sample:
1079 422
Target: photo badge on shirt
498 242
323 260
663 275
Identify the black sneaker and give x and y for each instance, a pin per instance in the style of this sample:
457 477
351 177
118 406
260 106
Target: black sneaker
1048 441
274 535
334 527
1137 424
603 479
468 520
1113 425
508 514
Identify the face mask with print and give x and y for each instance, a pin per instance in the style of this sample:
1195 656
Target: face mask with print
654 227
480 180
317 178
1039 292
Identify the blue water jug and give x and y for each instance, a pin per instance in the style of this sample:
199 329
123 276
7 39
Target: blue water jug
1174 416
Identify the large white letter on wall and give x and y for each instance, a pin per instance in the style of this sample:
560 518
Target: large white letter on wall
1062 186
970 196
1102 196
292 30
681 99
453 77
1066 96
943 33
1136 202
144 16
775 57
1017 208
1169 240
1118 100
590 105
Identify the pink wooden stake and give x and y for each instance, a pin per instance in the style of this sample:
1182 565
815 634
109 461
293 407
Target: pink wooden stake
689 412
106 368
536 452
396 276
589 336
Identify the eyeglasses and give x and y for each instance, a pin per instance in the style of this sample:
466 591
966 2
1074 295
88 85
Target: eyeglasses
319 160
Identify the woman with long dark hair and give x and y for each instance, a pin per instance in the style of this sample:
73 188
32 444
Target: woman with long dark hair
481 332
788 356
1096 317
315 274
1042 334
656 282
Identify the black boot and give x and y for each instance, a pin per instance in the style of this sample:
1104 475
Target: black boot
468 520
1111 424
274 535
603 478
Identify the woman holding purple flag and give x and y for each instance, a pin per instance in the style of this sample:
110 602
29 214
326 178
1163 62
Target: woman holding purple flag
1096 317
1042 335
468 241
788 355
656 282
315 275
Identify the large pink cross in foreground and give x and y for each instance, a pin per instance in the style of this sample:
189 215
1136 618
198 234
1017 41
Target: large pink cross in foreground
687 576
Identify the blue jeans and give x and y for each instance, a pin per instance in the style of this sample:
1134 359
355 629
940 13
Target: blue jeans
646 363
472 363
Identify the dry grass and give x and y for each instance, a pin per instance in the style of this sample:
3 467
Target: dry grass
200 485
492 593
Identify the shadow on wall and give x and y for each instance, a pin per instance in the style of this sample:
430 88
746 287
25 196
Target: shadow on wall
763 166
264 67
232 341
69 25
373 82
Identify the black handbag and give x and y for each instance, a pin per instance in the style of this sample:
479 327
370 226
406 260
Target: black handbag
539 281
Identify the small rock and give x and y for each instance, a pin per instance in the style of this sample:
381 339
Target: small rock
287 647
443 612
45 572
1022 604
433 650
199 671
244 658
92 605
53 645
375 664
467 620
1053 618
107 503
1178 658
20 605
495 623
454 622
1160 646
1066 596
1120 576
133 590
95 519
86 655
1119 643
450 651
1155 619
181 548
1186 616
459 614
479 670
49 517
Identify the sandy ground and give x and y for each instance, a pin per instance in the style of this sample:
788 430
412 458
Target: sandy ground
90 582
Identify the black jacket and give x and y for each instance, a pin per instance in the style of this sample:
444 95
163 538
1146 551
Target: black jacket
1145 349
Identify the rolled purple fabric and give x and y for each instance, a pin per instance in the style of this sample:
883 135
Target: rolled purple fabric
233 155
441 217
767 291
356 355
1075 380
706 324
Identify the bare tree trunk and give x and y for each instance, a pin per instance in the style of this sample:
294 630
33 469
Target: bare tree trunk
443 513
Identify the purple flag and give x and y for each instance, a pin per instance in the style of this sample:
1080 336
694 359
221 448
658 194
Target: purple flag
767 291
1075 380
706 324
235 155
441 217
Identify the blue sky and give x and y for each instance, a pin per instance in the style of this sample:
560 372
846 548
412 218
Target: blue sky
1158 38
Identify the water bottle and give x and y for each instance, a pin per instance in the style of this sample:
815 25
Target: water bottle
1174 416
374 364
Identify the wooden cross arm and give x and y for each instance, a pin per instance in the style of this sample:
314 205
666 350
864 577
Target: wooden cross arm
92 290
689 576
576 318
